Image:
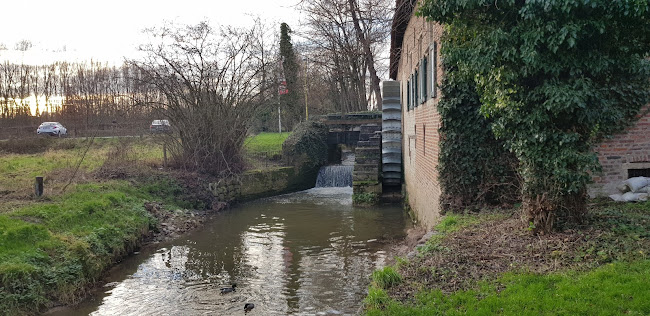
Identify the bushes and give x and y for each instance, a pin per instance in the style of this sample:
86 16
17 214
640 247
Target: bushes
306 147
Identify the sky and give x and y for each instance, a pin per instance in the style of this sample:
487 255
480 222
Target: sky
108 30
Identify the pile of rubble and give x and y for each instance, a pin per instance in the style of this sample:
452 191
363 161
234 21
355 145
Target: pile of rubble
635 189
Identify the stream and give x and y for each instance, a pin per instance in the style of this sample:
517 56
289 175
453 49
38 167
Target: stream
304 253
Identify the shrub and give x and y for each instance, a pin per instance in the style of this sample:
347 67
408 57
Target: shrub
306 148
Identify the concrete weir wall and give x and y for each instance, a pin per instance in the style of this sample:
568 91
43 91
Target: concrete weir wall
261 183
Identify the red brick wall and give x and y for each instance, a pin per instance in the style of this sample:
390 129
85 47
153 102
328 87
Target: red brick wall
628 150
420 147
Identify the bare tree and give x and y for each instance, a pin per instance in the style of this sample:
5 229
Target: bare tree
347 37
209 83
23 45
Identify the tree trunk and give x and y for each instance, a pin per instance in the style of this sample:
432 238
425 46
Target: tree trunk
543 211
374 79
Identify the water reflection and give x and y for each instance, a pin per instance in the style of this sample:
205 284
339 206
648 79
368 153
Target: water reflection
307 253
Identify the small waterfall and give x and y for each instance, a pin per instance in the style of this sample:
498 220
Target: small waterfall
334 176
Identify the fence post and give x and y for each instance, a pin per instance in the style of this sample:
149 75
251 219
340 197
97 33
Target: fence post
165 155
38 186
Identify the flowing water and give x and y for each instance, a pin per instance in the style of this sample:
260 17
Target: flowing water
334 176
305 253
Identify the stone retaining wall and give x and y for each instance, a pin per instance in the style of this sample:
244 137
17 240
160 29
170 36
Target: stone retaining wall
261 183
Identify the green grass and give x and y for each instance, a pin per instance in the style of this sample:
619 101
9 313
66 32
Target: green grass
386 277
265 142
53 250
615 289
56 163
606 273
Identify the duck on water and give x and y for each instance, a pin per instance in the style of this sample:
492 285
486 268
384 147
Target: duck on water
226 290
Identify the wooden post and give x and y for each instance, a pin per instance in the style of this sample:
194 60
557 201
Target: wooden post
38 186
165 155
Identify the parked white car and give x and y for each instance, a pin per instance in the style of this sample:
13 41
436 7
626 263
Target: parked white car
160 126
52 128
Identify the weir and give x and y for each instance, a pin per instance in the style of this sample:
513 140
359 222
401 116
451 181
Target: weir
334 176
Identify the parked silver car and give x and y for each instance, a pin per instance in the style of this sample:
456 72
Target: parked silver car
160 126
52 128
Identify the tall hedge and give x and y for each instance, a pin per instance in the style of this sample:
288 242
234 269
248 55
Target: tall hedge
306 147
556 77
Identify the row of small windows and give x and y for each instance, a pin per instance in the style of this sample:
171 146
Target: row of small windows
421 84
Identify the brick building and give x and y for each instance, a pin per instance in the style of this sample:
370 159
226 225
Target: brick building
415 64
623 156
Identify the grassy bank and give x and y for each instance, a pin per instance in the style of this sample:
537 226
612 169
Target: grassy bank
489 264
21 160
53 248
264 150
266 142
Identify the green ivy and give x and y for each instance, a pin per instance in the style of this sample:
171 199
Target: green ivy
306 147
555 77
475 168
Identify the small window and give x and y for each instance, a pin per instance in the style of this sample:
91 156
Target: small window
417 89
408 95
424 80
433 62
631 173
414 89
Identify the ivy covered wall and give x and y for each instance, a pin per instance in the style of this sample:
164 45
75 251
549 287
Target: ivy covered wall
476 170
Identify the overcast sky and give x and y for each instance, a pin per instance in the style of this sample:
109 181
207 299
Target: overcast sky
108 30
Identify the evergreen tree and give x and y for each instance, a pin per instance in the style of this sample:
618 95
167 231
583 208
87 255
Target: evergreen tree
290 102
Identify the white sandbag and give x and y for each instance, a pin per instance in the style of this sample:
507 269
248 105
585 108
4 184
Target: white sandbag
634 197
644 190
636 183
628 197
622 187
617 197
642 197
